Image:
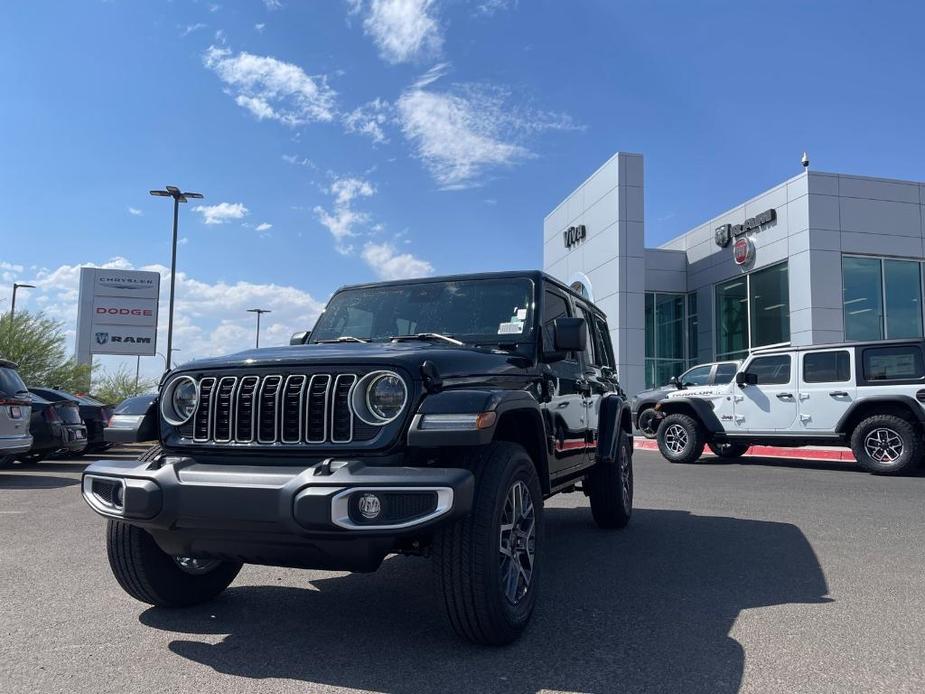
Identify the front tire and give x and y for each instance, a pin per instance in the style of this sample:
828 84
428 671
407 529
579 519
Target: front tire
680 439
728 450
886 445
610 487
150 575
647 423
487 564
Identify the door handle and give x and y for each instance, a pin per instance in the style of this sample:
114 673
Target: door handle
562 405
785 396
839 394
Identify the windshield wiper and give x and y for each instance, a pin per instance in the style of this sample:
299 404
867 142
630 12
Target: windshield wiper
427 336
342 338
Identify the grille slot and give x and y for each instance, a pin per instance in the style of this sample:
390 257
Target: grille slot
244 409
203 411
341 416
267 410
293 394
316 425
222 412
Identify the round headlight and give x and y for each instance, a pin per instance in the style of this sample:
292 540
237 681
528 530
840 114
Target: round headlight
379 397
180 400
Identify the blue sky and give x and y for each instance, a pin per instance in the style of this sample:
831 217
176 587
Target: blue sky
339 142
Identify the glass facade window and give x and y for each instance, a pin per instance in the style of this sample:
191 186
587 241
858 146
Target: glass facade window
665 323
881 298
693 350
752 311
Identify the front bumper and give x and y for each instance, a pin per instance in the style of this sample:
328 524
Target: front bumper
304 516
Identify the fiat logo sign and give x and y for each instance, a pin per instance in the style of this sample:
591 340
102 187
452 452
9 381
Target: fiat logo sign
743 251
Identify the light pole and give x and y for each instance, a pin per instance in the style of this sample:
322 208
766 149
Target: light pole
13 303
178 197
164 357
259 312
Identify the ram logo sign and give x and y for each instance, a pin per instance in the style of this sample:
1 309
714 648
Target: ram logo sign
574 235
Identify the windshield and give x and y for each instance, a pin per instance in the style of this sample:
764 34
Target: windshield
10 382
488 311
136 405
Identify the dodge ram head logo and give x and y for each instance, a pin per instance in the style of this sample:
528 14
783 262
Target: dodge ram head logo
722 235
102 338
573 235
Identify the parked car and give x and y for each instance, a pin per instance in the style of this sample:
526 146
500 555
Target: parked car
94 413
55 426
643 404
129 423
15 410
867 396
426 417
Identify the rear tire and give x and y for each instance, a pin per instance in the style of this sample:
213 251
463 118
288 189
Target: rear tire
32 458
647 423
482 562
728 450
610 487
150 575
887 445
680 439
6 461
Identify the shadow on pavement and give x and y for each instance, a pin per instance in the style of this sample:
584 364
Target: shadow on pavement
833 465
648 609
14 481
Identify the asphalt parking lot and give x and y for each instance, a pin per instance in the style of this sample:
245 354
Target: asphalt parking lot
764 576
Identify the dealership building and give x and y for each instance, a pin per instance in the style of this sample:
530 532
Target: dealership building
819 258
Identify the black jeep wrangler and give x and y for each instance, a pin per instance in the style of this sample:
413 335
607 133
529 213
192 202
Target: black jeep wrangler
428 417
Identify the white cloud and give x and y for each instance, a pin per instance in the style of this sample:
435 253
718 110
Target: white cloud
271 88
260 27
296 160
222 212
264 227
403 30
210 318
488 8
273 4
461 133
369 120
134 211
190 28
388 264
343 219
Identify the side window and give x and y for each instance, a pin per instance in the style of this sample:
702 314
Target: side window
725 372
826 367
554 306
603 336
593 350
698 376
771 370
902 363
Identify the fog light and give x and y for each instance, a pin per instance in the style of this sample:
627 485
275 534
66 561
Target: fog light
118 496
369 506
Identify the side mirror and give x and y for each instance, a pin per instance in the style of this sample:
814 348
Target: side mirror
676 382
300 338
570 334
743 378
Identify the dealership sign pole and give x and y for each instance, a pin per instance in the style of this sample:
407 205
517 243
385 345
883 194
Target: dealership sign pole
178 197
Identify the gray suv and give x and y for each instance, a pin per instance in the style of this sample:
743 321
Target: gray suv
15 411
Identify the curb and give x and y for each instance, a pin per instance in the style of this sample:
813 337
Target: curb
804 453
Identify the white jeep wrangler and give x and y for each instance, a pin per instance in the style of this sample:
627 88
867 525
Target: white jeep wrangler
867 396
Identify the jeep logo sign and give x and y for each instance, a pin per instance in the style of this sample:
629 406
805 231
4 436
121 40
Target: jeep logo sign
726 232
574 235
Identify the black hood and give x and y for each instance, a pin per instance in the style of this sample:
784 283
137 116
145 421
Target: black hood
450 360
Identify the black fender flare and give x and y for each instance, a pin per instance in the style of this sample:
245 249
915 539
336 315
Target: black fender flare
614 415
906 401
697 407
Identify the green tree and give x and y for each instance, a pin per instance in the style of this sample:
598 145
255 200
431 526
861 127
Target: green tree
37 344
115 387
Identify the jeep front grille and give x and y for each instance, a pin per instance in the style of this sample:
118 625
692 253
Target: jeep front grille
277 409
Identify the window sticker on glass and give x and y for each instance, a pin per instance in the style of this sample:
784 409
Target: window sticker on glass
521 314
512 328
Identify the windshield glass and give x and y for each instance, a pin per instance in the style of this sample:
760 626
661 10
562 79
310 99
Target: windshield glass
10 382
474 311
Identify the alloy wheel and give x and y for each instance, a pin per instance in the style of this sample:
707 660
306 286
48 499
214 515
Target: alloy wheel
517 542
883 445
194 566
676 438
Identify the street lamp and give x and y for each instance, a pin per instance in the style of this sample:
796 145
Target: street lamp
164 357
13 303
259 312
178 197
